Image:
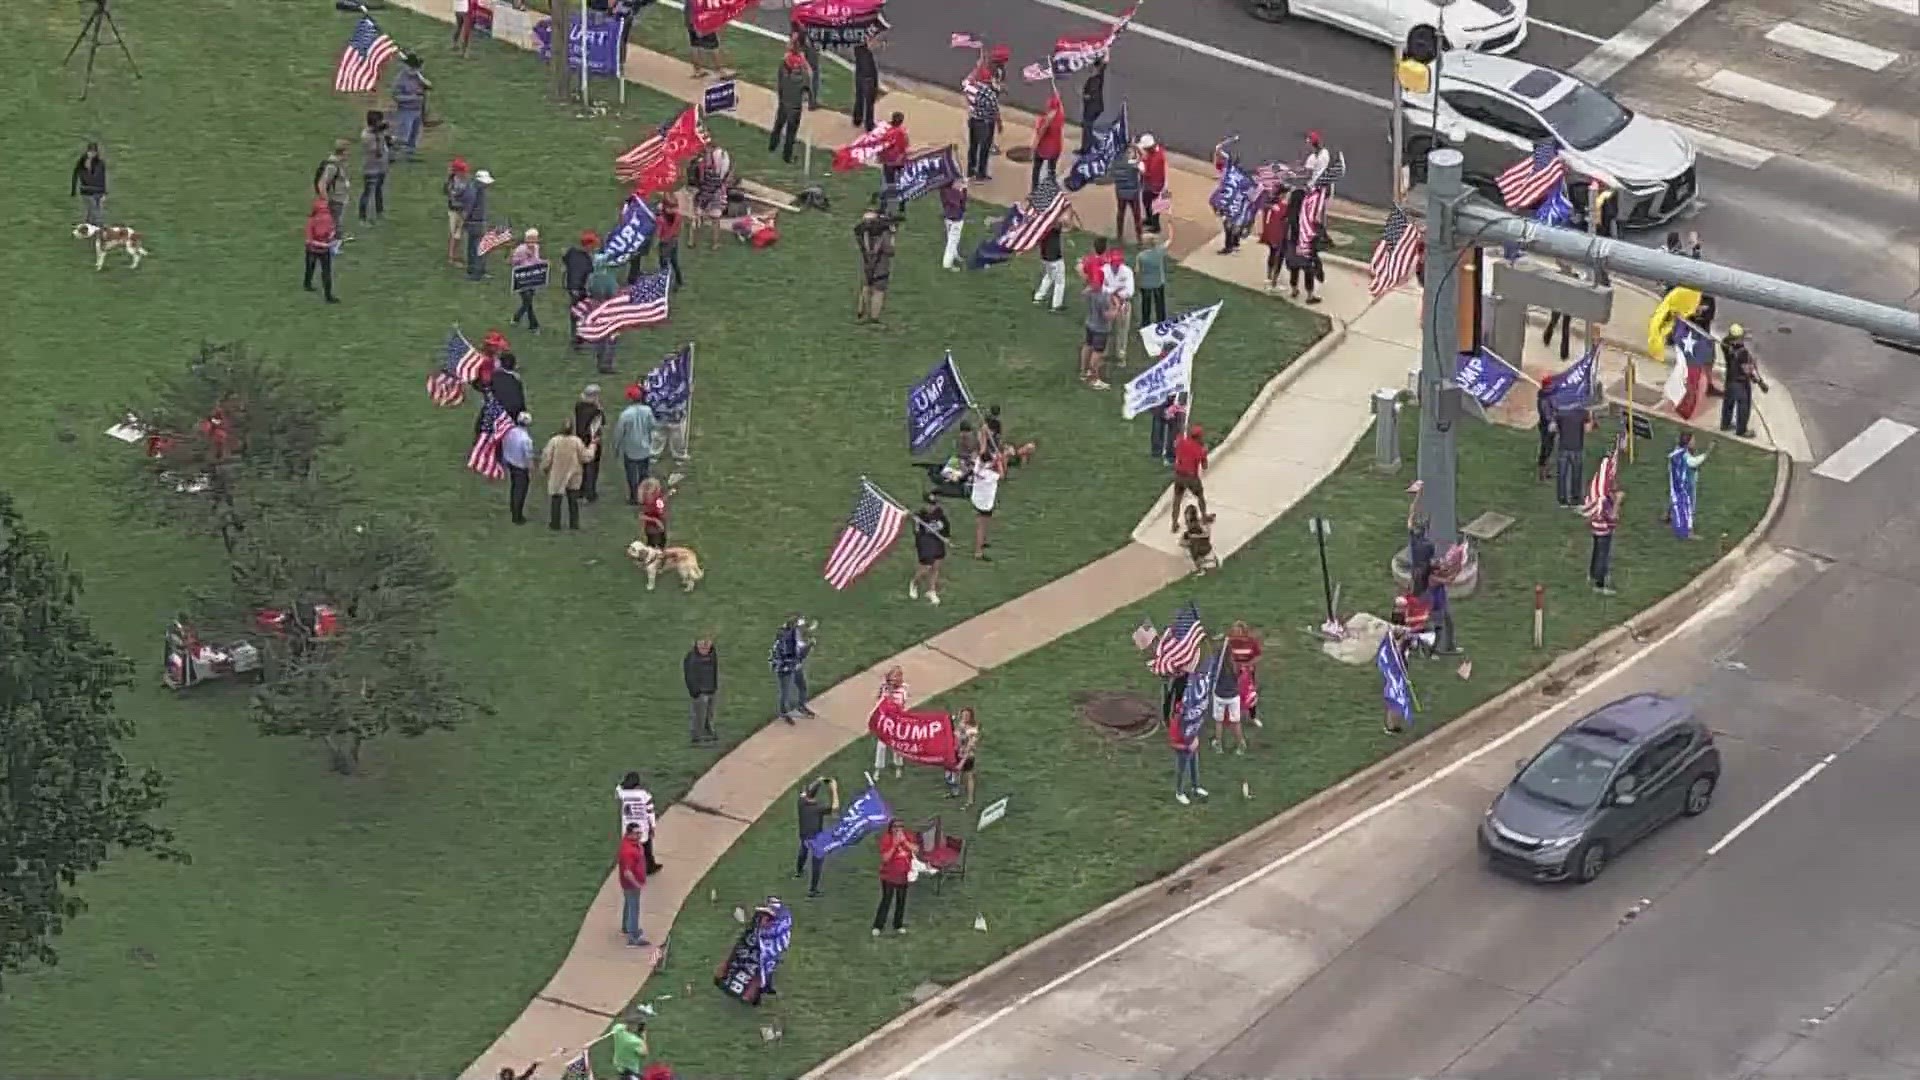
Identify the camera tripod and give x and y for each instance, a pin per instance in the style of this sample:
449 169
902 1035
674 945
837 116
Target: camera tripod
100 20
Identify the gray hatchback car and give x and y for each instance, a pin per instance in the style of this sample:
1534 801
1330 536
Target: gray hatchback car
1616 775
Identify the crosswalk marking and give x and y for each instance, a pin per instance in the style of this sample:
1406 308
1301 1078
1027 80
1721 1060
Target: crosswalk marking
1831 46
1881 438
1774 96
1731 151
1904 7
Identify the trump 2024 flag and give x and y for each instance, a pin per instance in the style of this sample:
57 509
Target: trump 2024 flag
1395 688
935 404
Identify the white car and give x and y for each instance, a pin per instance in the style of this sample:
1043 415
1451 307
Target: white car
1489 26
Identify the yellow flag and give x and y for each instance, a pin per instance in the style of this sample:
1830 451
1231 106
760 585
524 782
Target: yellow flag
1679 303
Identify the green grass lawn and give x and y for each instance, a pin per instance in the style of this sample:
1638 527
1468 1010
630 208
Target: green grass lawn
1092 818
393 923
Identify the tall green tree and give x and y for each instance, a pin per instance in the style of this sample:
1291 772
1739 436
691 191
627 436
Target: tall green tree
68 798
232 429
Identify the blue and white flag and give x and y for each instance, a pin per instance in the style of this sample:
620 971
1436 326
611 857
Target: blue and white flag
1234 197
1395 688
935 404
1682 487
1186 325
722 96
771 939
1171 374
1108 143
1483 375
1693 345
1573 388
1556 208
926 172
631 233
1197 703
670 385
867 814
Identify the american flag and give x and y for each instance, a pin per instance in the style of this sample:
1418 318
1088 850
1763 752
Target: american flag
1036 73
644 303
1047 204
580 1068
1313 217
447 386
1605 480
1177 648
360 62
874 526
1532 178
484 458
963 41
465 361
1335 171
1402 245
677 140
499 236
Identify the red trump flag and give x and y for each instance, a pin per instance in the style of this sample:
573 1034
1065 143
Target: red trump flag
924 737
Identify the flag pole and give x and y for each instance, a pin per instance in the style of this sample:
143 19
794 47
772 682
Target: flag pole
686 436
586 102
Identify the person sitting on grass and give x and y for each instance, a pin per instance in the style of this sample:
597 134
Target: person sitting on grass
1197 537
1017 454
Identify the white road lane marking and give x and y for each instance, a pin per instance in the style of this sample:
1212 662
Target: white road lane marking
1732 151
1225 57
1779 797
1760 92
1904 7
1747 585
1881 438
1832 46
1639 35
1568 31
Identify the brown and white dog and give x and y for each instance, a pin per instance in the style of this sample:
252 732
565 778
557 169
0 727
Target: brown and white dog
110 238
680 560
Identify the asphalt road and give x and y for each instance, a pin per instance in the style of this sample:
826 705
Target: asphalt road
1794 951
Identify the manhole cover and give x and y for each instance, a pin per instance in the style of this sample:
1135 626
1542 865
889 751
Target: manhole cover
1117 715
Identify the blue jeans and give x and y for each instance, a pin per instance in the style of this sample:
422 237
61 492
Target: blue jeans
636 472
1164 432
630 916
373 192
408 134
793 691
1570 486
1186 771
476 262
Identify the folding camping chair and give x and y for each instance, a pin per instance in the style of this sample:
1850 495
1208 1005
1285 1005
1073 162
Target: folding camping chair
947 855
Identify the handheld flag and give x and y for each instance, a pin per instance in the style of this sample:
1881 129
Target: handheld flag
964 41
1395 688
869 147
929 171
1178 649
497 236
1171 374
1692 350
1605 480
1196 704
1527 181
484 458
1402 247
1076 53
1313 218
1237 195
670 385
631 233
772 937
935 404
840 24
1679 303
580 1068
870 531
708 16
1573 388
1335 172
460 365
1556 208
1036 73
1187 325
654 163
1108 143
644 303
867 814
1682 487
923 736
367 51
1485 376
1025 224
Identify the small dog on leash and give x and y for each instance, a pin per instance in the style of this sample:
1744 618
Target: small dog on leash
108 239
680 560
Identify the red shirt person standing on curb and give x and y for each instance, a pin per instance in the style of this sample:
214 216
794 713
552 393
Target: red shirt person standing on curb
1189 462
1153 176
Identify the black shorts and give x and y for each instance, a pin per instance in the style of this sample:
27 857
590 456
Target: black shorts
656 538
878 284
930 559
966 766
1097 340
697 40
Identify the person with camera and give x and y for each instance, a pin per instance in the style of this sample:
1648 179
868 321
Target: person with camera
873 235
376 155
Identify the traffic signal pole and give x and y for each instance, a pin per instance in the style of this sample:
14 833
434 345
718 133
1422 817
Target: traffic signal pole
1440 409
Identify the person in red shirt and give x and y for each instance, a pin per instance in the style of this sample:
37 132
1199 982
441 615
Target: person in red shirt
1189 463
893 149
653 513
632 863
1243 657
1093 265
898 849
1153 176
1049 132
322 234
1273 235
666 235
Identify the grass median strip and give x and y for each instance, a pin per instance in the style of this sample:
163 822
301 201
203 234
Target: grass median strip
393 923
1091 817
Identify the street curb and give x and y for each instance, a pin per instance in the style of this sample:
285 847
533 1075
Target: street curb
1554 680
1316 352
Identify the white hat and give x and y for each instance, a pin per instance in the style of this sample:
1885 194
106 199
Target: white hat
483 177
525 419
1146 142
532 234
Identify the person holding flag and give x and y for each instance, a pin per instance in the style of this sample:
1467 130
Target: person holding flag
1093 100
984 123
1188 716
1153 178
1396 690
1683 485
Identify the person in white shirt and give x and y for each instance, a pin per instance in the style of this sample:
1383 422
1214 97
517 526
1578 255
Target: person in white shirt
463 25
1318 158
1117 283
893 688
636 808
987 470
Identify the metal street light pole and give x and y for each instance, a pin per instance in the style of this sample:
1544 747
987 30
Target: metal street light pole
1440 337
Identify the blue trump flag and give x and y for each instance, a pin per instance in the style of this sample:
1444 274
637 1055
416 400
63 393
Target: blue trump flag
1234 197
1197 703
631 233
926 172
1573 388
1395 688
867 814
1556 208
935 404
772 937
1482 374
1108 143
670 385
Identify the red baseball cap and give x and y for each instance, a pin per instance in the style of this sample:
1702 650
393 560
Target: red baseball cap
1313 137
1115 256
459 165
1196 431
634 393
1000 54
589 238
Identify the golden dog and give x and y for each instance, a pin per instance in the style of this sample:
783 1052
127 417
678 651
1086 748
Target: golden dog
680 560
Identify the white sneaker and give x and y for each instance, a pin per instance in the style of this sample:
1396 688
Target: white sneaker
1257 723
876 931
933 598
913 590
1200 793
1181 799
